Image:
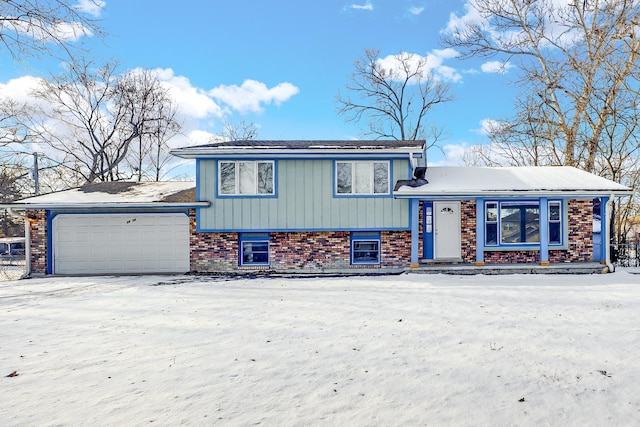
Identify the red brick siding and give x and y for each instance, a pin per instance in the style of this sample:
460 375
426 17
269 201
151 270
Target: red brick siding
323 250
468 230
37 220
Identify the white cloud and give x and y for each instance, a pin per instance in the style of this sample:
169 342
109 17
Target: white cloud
416 10
18 89
498 67
251 95
488 126
433 62
453 155
192 101
91 7
366 6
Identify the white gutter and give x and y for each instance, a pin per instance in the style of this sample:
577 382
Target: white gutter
607 234
27 241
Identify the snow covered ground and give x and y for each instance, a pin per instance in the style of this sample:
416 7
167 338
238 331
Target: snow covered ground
365 351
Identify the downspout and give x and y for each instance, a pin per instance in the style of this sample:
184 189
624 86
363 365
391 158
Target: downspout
607 249
27 241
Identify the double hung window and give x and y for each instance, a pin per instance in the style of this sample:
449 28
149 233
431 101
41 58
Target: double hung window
362 177
251 178
517 223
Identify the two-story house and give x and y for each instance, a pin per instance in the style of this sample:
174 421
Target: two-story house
322 206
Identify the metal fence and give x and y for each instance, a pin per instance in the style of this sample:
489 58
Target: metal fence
626 254
12 267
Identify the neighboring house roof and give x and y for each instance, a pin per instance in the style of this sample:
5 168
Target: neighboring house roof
299 147
116 194
510 181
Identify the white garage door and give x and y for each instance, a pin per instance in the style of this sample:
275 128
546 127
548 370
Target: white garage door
120 243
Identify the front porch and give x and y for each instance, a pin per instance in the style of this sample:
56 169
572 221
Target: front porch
524 268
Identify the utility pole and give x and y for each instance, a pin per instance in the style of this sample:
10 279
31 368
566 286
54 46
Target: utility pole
36 184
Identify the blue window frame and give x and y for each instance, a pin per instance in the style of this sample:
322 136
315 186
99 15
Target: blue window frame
365 248
254 248
246 178
361 178
512 223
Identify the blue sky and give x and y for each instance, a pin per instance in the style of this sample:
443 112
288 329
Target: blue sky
281 63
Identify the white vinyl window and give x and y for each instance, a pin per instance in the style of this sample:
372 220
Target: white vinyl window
251 178
362 177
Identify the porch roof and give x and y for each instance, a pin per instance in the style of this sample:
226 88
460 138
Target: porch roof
459 181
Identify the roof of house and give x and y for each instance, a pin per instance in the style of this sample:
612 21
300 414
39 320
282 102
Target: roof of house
116 194
510 181
272 147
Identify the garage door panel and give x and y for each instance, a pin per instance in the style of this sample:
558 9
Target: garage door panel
120 243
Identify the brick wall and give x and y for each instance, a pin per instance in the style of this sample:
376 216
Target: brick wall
308 251
468 230
580 246
37 220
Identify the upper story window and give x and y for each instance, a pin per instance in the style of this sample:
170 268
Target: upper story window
362 177
509 223
248 178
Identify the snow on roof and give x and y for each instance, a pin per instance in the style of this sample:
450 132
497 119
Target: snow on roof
119 193
503 180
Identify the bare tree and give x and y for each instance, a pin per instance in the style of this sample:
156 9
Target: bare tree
394 100
96 115
33 27
579 83
576 58
156 112
240 131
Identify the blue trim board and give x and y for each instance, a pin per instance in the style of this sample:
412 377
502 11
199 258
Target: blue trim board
49 242
544 229
297 230
427 236
604 225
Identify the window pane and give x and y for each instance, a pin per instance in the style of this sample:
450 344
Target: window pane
554 233
255 253
532 226
247 178
519 224
344 177
227 178
554 212
366 251
380 177
492 212
362 178
492 234
265 178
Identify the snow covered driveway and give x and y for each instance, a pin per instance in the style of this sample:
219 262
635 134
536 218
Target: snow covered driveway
366 351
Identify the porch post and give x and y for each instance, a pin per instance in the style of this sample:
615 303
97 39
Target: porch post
414 219
544 231
604 227
480 227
